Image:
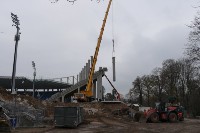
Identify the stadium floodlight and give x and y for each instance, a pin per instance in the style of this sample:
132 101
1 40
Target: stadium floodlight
17 38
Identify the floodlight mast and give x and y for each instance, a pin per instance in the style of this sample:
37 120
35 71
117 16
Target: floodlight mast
17 38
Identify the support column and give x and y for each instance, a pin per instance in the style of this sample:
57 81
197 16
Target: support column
91 61
82 74
73 79
99 86
86 70
94 89
78 89
63 99
114 72
79 77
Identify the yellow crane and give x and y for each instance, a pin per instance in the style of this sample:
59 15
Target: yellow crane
87 94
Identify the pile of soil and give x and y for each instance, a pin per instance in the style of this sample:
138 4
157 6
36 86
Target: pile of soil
26 100
91 109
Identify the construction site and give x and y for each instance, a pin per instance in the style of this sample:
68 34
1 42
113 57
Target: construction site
81 105
25 114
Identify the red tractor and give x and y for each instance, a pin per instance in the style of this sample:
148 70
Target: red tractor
165 112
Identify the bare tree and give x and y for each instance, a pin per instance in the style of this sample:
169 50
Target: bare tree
176 78
171 71
158 79
137 89
147 87
193 47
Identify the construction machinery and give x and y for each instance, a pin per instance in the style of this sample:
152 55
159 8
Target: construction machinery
165 112
87 95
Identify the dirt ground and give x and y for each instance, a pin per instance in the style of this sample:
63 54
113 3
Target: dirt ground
102 119
110 125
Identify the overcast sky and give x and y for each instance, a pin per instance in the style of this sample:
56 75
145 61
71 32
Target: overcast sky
61 37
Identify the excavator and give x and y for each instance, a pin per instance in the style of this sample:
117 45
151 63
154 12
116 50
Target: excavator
86 95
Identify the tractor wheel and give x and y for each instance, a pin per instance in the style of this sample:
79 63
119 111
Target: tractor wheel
154 118
172 117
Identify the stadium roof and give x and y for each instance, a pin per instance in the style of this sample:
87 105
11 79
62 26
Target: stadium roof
25 83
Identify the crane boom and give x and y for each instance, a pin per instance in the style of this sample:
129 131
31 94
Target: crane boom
88 91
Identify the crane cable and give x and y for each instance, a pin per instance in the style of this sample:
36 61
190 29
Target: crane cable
113 52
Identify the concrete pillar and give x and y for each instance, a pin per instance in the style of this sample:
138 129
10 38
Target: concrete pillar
73 79
87 72
114 72
99 86
77 78
88 68
71 99
94 89
78 89
91 61
63 99
84 72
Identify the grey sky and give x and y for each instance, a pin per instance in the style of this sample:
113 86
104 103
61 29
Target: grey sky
61 37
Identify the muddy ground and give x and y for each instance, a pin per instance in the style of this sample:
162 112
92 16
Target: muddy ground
118 125
101 120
